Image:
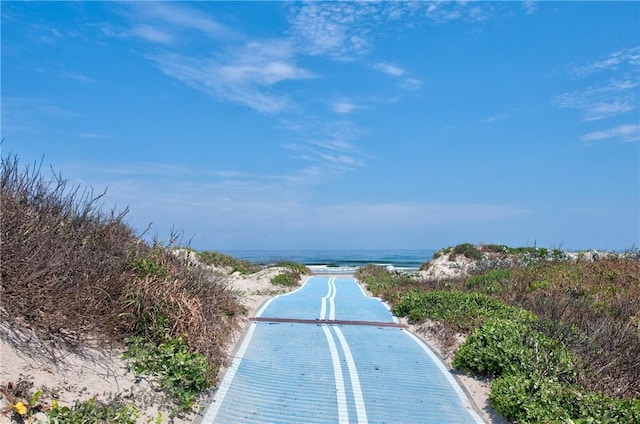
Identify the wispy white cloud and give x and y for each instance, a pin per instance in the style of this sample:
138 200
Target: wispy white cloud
263 63
77 76
494 118
612 62
330 145
343 106
158 18
406 83
390 69
236 70
93 136
152 34
246 76
596 103
625 133
410 83
530 6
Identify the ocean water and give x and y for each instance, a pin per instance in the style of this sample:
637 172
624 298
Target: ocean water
339 261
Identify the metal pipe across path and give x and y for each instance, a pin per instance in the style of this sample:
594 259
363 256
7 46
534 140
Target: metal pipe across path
327 353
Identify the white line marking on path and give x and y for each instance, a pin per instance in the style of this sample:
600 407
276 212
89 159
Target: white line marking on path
268 302
355 380
343 413
221 392
452 381
323 306
215 405
332 304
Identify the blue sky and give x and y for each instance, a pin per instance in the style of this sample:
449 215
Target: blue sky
275 125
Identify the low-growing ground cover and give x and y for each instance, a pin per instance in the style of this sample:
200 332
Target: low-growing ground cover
560 339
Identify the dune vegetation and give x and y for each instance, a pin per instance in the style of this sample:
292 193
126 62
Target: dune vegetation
559 338
76 275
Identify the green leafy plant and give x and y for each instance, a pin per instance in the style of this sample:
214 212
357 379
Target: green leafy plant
93 411
528 400
494 281
461 310
148 266
295 267
507 346
443 251
184 374
468 250
383 283
287 279
222 260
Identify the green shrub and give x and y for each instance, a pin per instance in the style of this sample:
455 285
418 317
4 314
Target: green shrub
461 310
184 374
443 251
222 260
147 266
93 411
496 248
288 279
468 250
504 346
524 399
595 407
384 283
295 267
494 281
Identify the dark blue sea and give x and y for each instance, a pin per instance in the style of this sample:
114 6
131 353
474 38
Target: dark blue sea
339 261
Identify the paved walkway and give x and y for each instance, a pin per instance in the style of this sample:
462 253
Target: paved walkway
317 356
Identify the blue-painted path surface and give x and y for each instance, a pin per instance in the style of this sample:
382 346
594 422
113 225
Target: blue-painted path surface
290 372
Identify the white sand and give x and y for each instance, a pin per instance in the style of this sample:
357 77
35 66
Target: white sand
102 374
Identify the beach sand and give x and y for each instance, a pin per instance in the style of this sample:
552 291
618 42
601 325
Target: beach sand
101 373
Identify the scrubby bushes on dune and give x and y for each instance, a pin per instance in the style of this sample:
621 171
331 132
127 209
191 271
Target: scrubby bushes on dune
561 339
70 271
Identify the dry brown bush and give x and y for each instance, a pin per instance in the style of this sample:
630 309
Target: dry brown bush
70 272
599 299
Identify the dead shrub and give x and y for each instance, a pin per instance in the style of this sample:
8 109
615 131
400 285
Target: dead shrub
70 271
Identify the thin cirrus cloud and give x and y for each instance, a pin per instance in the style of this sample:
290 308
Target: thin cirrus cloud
152 34
389 69
602 102
406 83
76 76
612 62
246 78
330 144
494 118
623 133
343 106
243 74
617 97
166 16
